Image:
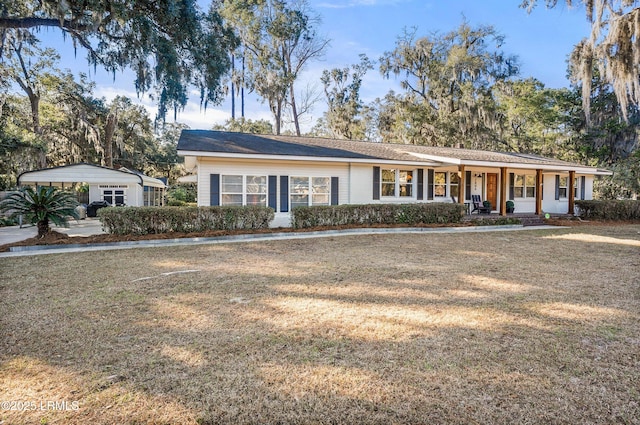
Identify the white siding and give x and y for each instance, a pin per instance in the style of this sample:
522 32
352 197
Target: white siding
361 177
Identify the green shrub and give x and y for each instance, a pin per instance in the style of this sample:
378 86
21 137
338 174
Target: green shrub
376 214
151 220
609 210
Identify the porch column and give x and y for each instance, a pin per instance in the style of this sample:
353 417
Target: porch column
503 191
570 190
461 184
539 192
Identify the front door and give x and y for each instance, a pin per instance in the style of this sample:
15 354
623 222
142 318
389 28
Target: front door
492 190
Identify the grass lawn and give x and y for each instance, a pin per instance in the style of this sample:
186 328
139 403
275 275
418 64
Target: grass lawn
527 327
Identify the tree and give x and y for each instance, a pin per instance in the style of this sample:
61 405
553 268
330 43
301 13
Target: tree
448 80
342 90
20 149
31 68
169 44
40 206
612 47
243 125
278 40
164 156
530 120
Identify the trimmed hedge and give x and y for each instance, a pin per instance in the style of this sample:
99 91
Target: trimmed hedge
152 220
372 214
609 210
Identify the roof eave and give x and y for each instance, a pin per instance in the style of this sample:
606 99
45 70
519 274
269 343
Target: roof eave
371 160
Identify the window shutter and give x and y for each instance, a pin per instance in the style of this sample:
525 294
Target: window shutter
284 193
334 190
512 181
420 184
214 189
376 183
557 187
583 182
430 184
273 192
467 185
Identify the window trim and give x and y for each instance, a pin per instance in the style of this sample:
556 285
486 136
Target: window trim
397 184
310 190
524 186
445 184
564 187
244 192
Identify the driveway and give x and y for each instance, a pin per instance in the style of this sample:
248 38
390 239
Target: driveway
86 227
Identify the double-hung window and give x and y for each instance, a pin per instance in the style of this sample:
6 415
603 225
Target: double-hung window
454 185
440 184
397 183
524 186
243 190
306 191
562 187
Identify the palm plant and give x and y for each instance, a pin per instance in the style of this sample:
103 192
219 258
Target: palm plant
40 206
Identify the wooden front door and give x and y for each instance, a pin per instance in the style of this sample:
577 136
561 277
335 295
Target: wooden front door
492 190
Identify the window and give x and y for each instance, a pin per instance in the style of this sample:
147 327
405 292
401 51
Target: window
454 185
440 184
321 191
152 196
524 186
231 190
306 191
114 196
243 190
562 187
530 186
256 192
576 191
397 183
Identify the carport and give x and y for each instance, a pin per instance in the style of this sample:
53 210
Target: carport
116 187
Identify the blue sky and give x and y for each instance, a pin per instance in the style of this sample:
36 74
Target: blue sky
542 40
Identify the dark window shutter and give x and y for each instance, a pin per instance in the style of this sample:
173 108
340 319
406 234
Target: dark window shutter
467 185
512 181
376 183
334 190
273 192
284 193
583 183
420 184
430 184
214 189
557 187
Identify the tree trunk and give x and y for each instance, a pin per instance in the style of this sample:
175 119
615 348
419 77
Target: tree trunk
109 131
294 110
43 228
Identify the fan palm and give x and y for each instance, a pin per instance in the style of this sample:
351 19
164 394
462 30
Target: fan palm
40 206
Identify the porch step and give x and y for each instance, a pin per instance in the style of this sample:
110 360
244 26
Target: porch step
525 219
532 220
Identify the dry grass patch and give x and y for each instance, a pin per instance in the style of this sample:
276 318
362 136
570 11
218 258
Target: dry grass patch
536 327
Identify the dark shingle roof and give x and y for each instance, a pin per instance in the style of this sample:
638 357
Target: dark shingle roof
241 143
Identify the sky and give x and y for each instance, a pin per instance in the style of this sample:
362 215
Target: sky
542 40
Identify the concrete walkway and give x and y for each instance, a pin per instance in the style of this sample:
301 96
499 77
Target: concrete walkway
57 249
86 227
